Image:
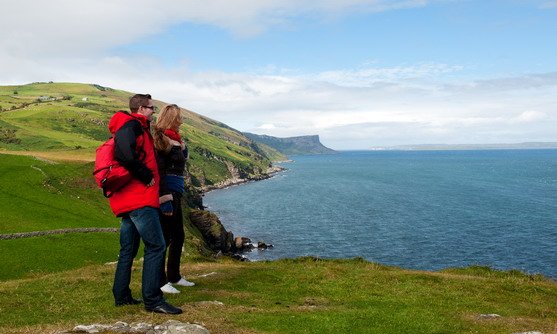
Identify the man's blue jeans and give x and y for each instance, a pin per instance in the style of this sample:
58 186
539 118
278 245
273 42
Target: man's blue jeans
142 223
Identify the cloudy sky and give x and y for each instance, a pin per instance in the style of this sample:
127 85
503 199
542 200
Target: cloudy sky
360 73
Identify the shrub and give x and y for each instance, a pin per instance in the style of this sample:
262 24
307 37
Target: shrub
8 136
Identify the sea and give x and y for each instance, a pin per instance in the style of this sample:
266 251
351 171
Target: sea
426 210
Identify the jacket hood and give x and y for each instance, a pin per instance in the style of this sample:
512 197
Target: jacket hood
121 117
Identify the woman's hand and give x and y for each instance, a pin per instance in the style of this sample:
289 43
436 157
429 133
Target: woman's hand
167 209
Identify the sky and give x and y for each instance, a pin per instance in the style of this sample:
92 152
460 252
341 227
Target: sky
358 73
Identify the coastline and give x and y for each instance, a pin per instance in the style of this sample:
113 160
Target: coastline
240 224
213 232
271 171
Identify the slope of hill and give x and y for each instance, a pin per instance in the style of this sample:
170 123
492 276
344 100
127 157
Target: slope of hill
292 145
72 118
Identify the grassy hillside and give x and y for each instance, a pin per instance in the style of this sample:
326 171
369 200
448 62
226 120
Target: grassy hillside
38 195
72 119
42 195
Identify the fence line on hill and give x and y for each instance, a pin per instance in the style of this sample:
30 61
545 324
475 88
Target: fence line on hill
60 231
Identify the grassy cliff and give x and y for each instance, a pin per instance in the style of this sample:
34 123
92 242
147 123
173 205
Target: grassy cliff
300 145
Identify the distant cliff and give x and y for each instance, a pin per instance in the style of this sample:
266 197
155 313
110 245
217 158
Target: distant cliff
292 145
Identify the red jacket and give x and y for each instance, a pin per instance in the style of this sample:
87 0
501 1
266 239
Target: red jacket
134 149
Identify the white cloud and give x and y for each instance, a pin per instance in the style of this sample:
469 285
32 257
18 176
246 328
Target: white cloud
549 4
266 126
369 76
390 111
529 116
350 108
57 28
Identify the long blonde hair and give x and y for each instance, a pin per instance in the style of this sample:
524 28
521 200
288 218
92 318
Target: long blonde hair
169 118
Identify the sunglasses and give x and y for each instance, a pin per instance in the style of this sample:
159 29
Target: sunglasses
154 108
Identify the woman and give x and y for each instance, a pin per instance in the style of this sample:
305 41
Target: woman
171 153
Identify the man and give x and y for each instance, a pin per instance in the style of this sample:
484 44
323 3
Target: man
137 203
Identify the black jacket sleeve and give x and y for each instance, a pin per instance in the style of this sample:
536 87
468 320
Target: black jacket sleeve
161 164
126 152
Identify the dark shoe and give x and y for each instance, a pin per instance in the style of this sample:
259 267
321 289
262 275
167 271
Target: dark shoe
165 308
129 301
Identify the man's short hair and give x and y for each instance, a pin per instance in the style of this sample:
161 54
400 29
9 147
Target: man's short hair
139 100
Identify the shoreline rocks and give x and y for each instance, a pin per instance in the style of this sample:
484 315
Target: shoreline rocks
262 245
215 236
236 180
218 239
213 232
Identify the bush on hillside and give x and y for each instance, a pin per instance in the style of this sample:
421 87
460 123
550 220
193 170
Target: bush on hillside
94 106
7 136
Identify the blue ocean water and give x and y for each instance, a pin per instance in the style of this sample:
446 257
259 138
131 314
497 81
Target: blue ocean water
415 209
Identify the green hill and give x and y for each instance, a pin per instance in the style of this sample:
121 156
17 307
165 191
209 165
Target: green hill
71 119
41 195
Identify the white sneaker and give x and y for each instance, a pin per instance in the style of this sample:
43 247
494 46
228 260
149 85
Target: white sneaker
184 282
168 288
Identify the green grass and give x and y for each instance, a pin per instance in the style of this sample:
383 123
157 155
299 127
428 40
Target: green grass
37 195
210 170
52 126
37 256
296 296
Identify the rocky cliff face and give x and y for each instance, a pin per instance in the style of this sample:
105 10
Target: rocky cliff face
214 238
215 235
292 145
217 239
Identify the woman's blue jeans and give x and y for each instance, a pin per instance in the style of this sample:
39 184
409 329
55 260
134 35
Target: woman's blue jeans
139 224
